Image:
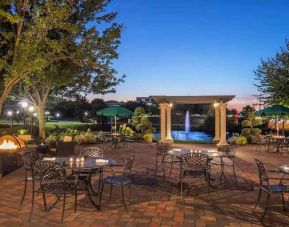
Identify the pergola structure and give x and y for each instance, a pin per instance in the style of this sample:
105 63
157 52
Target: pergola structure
218 101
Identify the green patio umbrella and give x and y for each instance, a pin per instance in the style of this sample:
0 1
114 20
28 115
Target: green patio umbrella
114 111
272 111
275 110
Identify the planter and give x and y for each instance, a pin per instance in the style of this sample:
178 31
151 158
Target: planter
148 140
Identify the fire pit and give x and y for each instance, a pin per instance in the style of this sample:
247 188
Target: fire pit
10 154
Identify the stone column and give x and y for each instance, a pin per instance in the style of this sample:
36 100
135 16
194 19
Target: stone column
163 121
169 123
223 131
217 123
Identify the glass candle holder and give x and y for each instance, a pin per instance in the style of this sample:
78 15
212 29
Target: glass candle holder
71 159
82 159
77 159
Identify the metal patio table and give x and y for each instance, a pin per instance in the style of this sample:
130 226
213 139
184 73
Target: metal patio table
179 152
89 165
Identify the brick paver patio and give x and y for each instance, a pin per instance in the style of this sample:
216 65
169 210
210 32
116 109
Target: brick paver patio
154 202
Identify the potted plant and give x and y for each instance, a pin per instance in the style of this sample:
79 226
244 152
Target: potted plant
148 137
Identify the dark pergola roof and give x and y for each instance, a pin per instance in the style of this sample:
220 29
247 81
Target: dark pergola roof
192 99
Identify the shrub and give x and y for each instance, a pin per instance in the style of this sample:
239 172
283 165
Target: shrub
241 140
91 137
148 136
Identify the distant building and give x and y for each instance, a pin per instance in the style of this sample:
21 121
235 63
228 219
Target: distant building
112 103
146 100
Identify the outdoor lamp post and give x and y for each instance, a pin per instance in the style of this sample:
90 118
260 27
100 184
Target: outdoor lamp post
24 106
31 110
85 118
10 114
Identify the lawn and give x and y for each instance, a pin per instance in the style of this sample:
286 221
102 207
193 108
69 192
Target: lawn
64 124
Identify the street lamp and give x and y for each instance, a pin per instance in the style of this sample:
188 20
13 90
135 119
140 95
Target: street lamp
24 106
9 114
31 110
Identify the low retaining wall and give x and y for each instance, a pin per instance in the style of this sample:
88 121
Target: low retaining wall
10 161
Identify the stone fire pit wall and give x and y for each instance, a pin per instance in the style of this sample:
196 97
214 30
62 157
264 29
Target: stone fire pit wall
10 160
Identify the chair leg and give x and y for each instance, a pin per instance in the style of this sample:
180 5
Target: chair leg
122 194
32 202
266 208
63 208
24 192
234 172
181 183
207 179
258 199
111 186
171 166
283 202
164 173
44 200
100 196
75 199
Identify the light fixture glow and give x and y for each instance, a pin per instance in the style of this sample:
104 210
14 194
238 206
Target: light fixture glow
9 113
24 104
31 108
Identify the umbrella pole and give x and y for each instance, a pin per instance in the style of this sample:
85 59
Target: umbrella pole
277 126
115 123
111 124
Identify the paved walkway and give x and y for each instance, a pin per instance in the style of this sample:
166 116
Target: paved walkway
154 202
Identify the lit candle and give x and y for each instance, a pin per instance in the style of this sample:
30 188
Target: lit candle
82 159
71 159
77 160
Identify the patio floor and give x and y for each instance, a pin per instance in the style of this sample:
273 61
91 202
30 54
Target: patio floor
155 202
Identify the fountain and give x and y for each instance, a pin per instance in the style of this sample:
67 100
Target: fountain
187 122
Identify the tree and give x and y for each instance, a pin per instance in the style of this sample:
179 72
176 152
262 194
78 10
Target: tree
272 77
141 122
36 35
86 65
247 109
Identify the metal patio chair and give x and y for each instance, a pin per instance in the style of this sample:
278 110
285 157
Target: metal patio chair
29 159
163 158
55 182
228 160
121 179
268 188
195 165
86 174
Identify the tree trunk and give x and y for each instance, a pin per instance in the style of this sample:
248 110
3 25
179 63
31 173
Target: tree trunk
41 119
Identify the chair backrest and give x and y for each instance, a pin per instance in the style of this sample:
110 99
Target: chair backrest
128 165
65 149
195 161
67 139
55 171
40 167
162 148
262 173
230 150
29 159
91 152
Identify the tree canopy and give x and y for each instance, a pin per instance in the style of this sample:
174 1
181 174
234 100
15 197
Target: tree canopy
40 37
272 78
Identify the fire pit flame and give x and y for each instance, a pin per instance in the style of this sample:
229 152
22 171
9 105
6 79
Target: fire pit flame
7 145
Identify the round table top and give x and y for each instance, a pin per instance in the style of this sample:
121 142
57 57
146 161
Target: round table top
184 151
283 169
75 162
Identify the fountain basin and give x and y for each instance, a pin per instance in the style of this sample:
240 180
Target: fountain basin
189 136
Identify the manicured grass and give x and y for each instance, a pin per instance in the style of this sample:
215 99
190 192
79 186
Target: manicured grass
50 125
64 124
